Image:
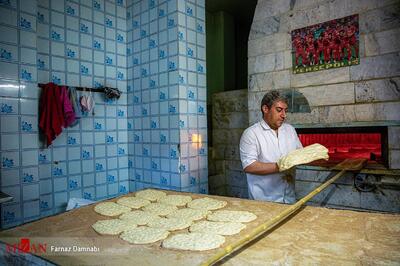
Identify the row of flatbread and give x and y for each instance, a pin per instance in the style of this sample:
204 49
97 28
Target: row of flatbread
160 215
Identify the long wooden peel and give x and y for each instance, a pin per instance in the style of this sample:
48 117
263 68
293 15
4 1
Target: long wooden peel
346 165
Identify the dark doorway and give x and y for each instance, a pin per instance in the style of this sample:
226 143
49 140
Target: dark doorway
228 24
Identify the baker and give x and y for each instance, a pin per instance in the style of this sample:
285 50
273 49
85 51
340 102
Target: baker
261 146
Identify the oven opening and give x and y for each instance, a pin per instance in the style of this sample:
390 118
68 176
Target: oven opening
352 142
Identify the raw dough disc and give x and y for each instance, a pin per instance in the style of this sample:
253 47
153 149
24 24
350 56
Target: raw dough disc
176 200
110 209
189 214
160 209
139 217
231 216
133 202
207 204
144 235
112 227
150 194
218 228
170 224
194 241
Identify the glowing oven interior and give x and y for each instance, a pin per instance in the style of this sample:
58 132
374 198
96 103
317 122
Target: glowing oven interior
351 142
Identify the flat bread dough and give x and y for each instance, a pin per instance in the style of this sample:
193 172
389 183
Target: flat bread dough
144 235
133 202
218 228
160 209
139 217
110 209
207 204
176 200
112 227
231 216
189 214
194 241
170 224
150 194
302 156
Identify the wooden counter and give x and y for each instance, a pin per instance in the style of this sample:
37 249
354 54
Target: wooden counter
312 236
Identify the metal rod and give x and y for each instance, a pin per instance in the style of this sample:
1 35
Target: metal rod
261 229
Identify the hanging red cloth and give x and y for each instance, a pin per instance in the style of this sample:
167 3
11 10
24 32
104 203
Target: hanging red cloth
55 111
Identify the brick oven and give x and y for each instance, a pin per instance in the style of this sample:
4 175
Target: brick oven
352 110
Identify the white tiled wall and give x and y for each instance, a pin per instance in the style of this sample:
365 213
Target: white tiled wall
153 51
166 57
67 42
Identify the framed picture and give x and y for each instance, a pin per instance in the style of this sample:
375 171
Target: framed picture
330 44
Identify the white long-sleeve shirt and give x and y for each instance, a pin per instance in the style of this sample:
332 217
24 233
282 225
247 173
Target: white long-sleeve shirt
260 143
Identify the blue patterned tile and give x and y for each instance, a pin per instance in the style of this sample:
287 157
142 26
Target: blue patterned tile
45 202
8 52
42 15
89 193
9 159
72 9
30 175
27 22
59 170
11 215
74 182
97 5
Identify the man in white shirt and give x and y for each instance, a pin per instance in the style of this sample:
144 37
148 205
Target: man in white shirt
262 144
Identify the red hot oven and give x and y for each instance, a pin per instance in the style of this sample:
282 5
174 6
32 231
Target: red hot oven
349 142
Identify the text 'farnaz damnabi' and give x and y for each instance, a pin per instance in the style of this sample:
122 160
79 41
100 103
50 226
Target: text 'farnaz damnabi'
91 249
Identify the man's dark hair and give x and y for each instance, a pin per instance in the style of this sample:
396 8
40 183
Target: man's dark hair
271 97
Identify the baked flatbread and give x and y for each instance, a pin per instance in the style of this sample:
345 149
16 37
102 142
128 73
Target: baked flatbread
194 241
144 235
176 200
112 227
150 194
189 214
207 204
218 228
110 209
133 202
139 217
170 224
231 216
160 209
